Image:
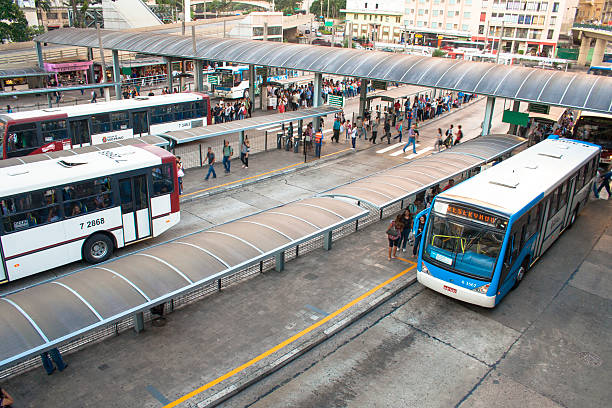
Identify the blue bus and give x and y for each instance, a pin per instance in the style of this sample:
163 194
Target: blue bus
603 70
481 236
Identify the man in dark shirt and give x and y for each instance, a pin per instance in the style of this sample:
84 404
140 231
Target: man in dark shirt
210 157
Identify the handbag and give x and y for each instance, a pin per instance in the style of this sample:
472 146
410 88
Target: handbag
411 238
392 232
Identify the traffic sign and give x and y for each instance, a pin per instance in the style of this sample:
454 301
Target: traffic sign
335 100
329 23
212 79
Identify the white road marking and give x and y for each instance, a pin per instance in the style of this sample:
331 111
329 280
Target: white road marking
425 150
401 151
386 149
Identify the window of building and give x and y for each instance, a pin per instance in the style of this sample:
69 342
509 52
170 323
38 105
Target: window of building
451 2
434 13
449 26
521 19
553 20
456 13
436 1
467 14
550 34
543 6
480 29
365 6
464 27
450 13
483 16
555 8
51 15
65 16
455 26
421 12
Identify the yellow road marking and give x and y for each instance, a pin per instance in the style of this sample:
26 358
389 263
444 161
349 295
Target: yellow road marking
255 176
290 339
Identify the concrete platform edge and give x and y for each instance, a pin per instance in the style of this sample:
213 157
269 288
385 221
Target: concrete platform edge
275 362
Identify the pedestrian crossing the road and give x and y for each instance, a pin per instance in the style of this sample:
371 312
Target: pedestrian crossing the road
396 149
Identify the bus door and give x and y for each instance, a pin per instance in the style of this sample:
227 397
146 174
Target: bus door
79 132
135 212
2 269
140 122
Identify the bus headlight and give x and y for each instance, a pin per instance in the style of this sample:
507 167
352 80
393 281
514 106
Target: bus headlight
482 289
424 269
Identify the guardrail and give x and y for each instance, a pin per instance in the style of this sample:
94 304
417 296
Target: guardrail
593 26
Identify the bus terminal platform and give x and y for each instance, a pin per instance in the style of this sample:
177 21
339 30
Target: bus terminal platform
208 350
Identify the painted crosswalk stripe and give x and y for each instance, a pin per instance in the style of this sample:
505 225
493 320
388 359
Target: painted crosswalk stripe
425 150
401 151
386 149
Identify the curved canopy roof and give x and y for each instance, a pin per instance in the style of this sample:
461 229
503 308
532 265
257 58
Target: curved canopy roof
39 317
568 89
22 72
390 186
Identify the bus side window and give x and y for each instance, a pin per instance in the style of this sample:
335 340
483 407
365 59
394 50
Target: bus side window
163 180
594 166
53 130
579 179
22 139
554 197
563 195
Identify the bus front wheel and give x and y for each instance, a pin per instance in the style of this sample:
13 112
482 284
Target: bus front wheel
98 248
519 276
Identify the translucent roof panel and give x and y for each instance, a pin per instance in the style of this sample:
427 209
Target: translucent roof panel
473 77
395 184
43 316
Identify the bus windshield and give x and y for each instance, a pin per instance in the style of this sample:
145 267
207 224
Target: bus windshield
595 129
463 247
229 80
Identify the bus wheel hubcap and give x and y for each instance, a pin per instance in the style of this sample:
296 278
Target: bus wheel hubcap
520 274
98 250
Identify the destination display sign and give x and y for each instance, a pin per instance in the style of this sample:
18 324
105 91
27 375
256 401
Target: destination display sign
473 215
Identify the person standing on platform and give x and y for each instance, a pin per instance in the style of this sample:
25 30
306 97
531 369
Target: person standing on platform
244 152
353 136
228 152
210 157
417 236
318 139
57 359
375 126
180 173
439 140
336 127
387 129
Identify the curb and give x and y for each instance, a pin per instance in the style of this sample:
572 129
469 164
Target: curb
284 357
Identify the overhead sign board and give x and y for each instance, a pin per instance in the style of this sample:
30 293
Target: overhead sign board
538 108
379 85
515 118
335 100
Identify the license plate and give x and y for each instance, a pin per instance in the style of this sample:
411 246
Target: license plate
452 290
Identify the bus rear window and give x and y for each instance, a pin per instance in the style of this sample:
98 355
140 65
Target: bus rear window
163 180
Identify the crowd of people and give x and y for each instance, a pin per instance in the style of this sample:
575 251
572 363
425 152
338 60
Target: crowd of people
228 111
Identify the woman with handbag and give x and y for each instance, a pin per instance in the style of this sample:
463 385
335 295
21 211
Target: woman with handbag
394 234
417 236
406 231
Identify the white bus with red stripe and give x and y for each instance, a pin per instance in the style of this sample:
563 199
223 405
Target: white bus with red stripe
58 211
66 127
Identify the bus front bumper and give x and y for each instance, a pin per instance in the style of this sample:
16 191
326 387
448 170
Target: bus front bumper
454 291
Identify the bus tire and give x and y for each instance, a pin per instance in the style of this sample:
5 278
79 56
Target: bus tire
98 248
519 276
573 218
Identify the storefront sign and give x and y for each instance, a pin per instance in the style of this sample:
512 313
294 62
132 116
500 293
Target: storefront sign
68 66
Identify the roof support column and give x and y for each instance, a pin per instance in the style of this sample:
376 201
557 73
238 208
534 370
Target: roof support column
251 85
363 95
138 322
598 52
199 76
327 240
488 117
316 98
241 138
41 65
585 45
117 74
263 95
280 262
92 75
169 71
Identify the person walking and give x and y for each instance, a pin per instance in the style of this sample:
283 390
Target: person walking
54 354
394 233
244 152
459 135
210 158
387 129
417 235
411 140
375 126
605 183
180 173
228 152
94 96
5 399
439 141
9 109
399 132
406 230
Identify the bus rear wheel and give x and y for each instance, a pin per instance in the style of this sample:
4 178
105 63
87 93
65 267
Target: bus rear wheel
98 248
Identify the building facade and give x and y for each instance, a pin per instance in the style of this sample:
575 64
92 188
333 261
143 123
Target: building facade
589 11
606 17
527 26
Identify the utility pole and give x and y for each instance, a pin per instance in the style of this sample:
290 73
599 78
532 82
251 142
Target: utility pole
103 78
327 8
501 34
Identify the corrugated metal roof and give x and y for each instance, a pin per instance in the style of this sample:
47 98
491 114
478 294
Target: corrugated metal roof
22 72
568 89
40 317
205 132
398 183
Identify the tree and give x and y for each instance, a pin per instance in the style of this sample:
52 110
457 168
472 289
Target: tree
334 7
286 6
79 8
438 53
13 24
41 5
219 6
